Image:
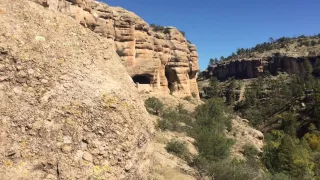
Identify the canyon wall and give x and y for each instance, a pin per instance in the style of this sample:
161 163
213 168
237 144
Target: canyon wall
163 59
246 69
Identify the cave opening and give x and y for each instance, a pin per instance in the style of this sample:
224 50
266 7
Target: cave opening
172 79
141 79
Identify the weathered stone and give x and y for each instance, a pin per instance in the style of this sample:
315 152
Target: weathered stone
67 139
40 38
66 148
51 177
158 61
87 156
128 167
3 78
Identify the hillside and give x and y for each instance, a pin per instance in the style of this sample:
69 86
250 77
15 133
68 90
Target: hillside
275 86
68 108
281 55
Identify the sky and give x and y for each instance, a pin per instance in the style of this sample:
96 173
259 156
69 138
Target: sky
219 27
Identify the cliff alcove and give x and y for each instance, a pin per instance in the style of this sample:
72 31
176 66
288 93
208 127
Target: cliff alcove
172 79
141 79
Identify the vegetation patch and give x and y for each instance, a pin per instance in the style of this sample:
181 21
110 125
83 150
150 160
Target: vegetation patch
154 105
179 149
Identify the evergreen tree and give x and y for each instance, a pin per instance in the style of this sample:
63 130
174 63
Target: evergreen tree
308 68
317 103
211 62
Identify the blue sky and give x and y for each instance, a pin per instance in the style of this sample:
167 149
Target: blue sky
219 27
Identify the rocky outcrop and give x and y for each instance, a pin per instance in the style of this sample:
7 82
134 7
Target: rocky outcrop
68 108
163 59
252 68
244 134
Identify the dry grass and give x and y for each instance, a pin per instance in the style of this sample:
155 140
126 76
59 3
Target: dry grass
168 173
160 138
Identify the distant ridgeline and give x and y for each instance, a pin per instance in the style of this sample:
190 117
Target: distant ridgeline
290 55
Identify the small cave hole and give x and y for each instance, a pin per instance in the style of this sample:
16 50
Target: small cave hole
141 79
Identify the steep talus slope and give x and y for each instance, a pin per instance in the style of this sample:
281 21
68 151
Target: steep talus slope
68 108
161 58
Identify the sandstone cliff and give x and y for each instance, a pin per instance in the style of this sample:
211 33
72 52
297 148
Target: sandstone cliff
283 55
252 68
164 60
68 108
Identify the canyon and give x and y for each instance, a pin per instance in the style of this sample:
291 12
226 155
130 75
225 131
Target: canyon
161 61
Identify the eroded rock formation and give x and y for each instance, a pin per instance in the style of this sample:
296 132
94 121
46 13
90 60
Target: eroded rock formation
252 68
68 108
165 60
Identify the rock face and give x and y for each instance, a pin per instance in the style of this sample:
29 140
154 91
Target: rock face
243 135
164 60
246 69
68 108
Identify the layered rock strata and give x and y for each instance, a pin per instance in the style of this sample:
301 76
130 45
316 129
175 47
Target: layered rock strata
163 58
246 69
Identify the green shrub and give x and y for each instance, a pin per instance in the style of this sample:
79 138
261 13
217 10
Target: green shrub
157 28
250 151
166 31
177 119
173 119
154 105
183 33
280 176
235 170
212 146
288 155
187 98
209 129
313 141
164 125
228 169
179 149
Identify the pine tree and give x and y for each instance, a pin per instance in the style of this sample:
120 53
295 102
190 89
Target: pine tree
308 68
